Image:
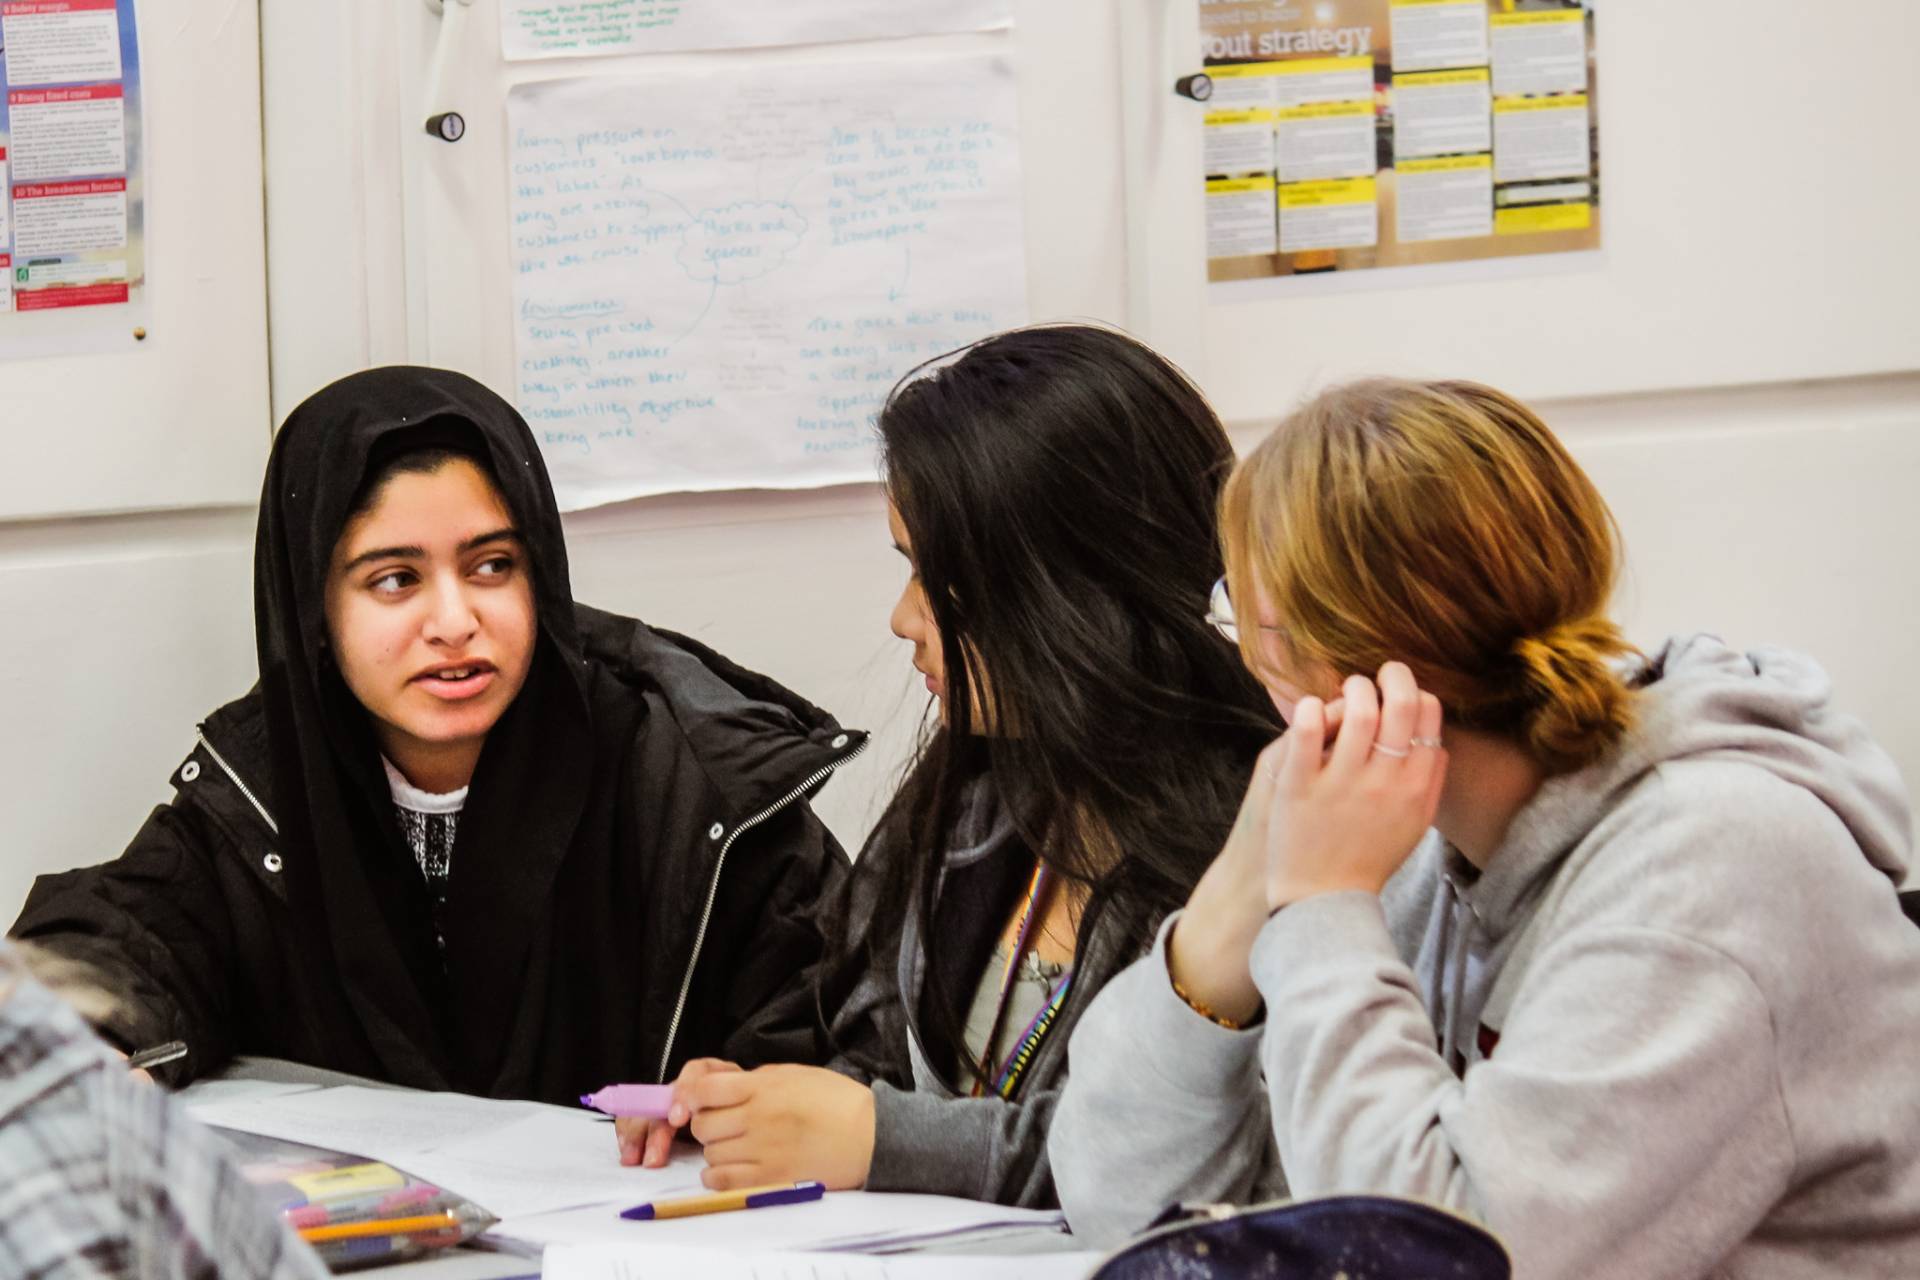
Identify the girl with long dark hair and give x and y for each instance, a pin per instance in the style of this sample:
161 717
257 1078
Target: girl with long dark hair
1053 492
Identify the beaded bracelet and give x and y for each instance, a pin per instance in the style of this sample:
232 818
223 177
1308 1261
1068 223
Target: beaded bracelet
1202 1009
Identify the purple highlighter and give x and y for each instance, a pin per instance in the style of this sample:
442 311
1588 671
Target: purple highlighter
649 1101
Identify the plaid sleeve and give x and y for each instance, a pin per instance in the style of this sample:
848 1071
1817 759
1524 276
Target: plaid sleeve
190 1213
107 1176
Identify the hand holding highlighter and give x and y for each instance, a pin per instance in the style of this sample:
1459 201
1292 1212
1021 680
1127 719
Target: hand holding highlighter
645 1101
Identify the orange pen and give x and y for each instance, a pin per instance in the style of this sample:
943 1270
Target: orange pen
447 1221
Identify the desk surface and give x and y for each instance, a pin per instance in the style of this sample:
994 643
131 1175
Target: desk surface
483 1264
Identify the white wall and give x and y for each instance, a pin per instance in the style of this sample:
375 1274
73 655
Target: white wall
177 417
1780 513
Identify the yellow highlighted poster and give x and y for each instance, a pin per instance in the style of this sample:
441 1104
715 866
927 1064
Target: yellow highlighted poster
1241 86
1439 33
1446 199
1322 80
1539 52
1536 138
1535 219
1329 215
1239 141
1240 217
1440 113
1329 140
1403 141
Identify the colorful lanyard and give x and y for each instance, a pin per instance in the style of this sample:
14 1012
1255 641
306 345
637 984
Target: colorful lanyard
1007 1079
1023 1053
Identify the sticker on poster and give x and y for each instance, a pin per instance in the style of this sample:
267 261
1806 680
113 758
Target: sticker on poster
72 177
1412 140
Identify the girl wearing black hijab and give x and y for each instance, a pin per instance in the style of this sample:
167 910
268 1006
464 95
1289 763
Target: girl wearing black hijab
465 833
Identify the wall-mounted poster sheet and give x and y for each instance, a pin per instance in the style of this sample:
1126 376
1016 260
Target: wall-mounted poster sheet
1346 139
718 277
572 28
72 196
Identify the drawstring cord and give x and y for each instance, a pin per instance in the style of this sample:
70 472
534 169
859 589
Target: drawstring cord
1456 940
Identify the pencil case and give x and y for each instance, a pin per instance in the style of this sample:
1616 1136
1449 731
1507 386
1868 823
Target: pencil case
336 1196
1324 1239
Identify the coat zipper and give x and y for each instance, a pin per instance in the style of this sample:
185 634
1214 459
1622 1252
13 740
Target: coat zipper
713 888
713 892
244 789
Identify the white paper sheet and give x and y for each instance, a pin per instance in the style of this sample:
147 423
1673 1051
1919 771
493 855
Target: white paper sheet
381 1124
511 1158
613 1263
718 277
529 1164
848 1220
202 1095
558 28
552 1161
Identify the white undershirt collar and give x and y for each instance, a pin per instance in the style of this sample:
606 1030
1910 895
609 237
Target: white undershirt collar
408 796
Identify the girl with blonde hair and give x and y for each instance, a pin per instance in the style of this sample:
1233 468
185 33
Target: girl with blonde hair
1603 949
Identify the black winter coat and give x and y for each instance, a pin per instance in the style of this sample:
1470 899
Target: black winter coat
635 964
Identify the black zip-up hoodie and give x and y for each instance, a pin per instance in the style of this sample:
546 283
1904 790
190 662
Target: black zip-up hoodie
635 871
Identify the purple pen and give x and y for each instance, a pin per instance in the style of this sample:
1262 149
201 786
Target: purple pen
650 1101
724 1201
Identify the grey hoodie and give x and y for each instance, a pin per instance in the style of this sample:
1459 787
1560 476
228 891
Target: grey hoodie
1673 1030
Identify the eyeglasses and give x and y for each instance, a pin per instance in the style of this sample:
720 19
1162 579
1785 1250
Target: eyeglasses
1220 615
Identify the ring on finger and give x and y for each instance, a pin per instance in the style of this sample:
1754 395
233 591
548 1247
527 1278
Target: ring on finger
1393 752
1425 742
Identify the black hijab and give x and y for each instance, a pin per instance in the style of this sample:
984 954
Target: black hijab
361 913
